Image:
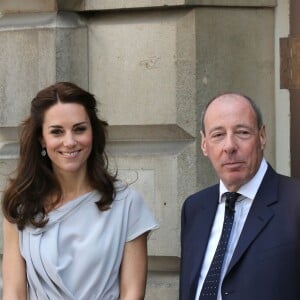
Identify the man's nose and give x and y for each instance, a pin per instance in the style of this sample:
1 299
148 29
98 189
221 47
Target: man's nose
230 144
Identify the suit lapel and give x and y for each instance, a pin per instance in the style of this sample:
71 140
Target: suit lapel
201 231
259 215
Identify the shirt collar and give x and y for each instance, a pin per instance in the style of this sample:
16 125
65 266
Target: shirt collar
250 188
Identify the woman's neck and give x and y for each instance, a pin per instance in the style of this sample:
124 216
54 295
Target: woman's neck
73 185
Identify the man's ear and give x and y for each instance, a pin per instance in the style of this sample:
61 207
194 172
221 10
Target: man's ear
203 143
263 137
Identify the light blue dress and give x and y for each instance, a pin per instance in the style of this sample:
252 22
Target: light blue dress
77 255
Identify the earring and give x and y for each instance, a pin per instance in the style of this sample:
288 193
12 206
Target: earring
43 152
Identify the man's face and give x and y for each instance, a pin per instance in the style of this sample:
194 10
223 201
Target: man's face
232 140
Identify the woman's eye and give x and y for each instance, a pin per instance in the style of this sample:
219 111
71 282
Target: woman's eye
80 129
55 131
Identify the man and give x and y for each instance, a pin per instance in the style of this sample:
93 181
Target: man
261 260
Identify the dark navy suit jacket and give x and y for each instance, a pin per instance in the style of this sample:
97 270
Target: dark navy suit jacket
266 262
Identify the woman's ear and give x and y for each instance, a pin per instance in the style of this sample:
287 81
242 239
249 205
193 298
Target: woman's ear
41 140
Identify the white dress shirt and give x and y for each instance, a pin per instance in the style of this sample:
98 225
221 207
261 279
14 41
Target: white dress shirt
242 207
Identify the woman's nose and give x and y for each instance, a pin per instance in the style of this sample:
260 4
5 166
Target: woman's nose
69 140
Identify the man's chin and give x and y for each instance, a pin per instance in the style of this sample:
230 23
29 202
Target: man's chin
234 181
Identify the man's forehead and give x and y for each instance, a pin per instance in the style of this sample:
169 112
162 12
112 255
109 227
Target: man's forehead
231 112
220 105
228 98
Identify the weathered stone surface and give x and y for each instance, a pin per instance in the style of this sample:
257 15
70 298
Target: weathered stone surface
37 50
235 53
142 68
85 5
17 6
162 286
164 179
6 169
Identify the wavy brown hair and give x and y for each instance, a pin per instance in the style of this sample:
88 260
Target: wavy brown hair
23 201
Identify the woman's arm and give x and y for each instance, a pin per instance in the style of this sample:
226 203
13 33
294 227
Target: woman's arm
133 273
13 265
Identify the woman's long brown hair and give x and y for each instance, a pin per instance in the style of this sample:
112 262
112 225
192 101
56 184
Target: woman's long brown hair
24 199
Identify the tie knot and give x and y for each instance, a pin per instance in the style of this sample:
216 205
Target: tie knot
231 198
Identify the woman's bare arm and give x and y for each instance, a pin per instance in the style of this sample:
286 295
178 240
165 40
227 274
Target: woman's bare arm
134 269
13 265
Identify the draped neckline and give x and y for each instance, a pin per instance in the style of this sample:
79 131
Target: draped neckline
58 214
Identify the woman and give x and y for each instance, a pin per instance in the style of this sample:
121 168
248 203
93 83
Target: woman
71 229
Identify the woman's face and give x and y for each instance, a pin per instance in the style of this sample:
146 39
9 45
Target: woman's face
67 137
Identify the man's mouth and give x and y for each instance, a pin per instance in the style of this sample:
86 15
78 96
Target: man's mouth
232 164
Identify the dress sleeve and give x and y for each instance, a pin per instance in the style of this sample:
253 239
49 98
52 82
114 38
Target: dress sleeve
140 218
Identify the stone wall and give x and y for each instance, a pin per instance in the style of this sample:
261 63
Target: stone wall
152 66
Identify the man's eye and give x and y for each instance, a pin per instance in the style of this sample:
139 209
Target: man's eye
243 133
217 135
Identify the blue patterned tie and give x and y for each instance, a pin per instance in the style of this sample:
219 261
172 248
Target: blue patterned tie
211 282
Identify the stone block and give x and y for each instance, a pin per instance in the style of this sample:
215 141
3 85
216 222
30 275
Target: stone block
17 6
37 50
164 178
142 68
162 285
